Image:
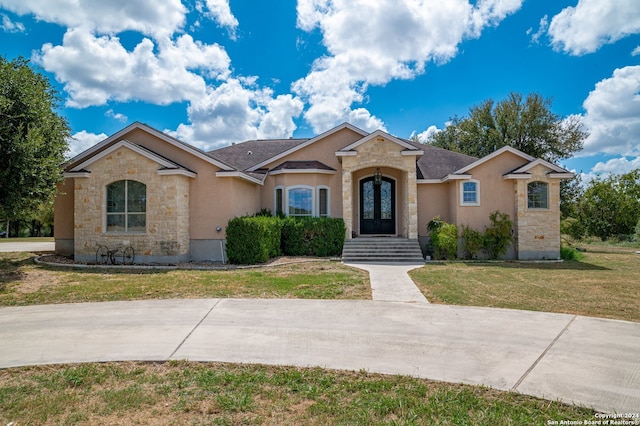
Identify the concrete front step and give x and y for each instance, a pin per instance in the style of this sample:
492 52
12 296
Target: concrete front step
381 250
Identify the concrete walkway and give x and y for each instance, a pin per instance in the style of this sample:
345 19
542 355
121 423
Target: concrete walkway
391 283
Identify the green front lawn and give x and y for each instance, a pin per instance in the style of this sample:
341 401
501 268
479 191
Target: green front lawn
186 393
605 283
24 283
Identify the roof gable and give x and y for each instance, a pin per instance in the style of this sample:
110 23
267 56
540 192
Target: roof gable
495 154
94 150
380 134
167 166
309 142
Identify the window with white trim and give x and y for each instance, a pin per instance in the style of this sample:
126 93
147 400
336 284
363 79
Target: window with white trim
538 195
300 201
126 206
323 201
278 201
470 193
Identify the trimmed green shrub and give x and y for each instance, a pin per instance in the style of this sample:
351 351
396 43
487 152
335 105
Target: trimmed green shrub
444 238
570 253
293 238
326 236
313 236
497 237
472 242
252 240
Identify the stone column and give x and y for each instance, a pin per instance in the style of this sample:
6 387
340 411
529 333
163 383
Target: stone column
347 198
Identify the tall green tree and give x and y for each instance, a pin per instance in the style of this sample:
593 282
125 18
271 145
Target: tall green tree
527 124
610 206
33 138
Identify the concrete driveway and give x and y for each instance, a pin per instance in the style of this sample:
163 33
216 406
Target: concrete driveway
586 361
26 246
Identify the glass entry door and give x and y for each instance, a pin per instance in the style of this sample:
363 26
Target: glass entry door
377 206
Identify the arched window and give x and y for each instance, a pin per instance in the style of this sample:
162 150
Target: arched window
538 195
126 206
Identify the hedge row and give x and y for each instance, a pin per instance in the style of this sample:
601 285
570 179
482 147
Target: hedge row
252 240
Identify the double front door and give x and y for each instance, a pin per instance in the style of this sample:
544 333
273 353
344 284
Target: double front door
377 206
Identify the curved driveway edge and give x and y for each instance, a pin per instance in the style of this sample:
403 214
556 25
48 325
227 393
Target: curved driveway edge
586 361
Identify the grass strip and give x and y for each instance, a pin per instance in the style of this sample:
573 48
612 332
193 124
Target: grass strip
180 392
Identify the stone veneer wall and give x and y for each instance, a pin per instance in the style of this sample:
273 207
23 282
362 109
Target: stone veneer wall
167 236
538 229
381 153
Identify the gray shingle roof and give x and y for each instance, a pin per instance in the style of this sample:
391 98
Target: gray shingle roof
437 163
244 155
302 165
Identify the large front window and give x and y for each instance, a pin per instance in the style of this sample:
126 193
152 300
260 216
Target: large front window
126 206
302 200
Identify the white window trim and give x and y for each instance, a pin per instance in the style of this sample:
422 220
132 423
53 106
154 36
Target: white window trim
477 202
313 199
318 188
275 200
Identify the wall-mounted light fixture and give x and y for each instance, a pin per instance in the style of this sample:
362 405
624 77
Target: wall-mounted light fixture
377 177
219 228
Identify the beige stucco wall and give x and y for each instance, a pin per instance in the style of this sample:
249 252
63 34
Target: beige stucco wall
538 229
167 220
433 200
496 193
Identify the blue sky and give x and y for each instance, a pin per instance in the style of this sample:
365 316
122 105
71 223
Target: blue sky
212 72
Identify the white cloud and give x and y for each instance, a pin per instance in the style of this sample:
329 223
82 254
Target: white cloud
221 13
376 42
636 51
82 141
117 116
592 23
9 26
544 25
159 18
95 70
236 110
427 134
614 166
613 114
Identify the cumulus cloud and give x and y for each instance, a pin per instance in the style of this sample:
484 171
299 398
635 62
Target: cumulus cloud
614 166
221 13
8 26
613 114
236 110
116 115
372 43
427 134
82 141
592 23
159 18
97 69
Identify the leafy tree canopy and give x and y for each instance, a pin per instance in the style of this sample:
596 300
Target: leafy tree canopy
611 206
33 138
527 124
